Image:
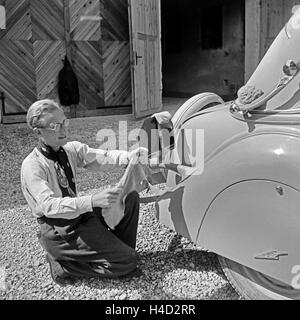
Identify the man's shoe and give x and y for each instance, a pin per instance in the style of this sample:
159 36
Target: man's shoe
57 273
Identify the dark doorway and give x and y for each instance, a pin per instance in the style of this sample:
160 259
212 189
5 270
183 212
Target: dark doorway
202 47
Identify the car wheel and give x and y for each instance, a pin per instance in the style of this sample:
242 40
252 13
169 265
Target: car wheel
253 285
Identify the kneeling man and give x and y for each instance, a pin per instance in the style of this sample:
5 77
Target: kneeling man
73 232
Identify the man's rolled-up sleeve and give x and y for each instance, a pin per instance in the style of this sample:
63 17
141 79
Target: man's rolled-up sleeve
99 159
41 197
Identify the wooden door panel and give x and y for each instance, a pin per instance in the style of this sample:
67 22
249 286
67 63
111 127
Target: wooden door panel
17 75
145 33
114 24
140 77
18 20
116 69
152 17
87 65
85 20
48 60
47 19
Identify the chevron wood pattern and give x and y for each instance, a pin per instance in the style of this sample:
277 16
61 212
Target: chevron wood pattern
48 56
117 75
18 20
87 65
115 25
85 20
34 43
17 75
47 19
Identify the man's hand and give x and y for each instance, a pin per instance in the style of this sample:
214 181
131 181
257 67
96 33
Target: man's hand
139 155
105 198
155 164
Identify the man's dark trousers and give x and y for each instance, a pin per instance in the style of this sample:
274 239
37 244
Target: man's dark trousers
86 247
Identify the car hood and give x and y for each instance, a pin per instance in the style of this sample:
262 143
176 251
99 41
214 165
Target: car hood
222 127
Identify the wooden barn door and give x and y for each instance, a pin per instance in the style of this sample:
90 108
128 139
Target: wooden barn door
145 38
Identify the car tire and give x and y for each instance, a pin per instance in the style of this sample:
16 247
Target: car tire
195 104
253 285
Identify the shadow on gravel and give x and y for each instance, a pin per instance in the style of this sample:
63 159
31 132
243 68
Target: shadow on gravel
170 275
226 292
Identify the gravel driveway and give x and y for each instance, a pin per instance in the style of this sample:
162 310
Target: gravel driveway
173 268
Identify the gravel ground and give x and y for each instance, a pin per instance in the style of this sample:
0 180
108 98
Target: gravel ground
173 267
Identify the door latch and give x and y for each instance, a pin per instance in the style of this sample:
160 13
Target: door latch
137 57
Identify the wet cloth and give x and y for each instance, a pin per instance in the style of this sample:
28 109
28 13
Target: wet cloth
134 179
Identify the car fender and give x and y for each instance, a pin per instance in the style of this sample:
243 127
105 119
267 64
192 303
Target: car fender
194 105
187 205
256 223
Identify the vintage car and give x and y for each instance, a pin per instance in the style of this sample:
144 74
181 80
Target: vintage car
244 202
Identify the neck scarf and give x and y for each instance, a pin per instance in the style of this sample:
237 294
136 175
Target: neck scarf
62 167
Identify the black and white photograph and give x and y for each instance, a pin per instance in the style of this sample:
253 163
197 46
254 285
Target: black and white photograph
150 153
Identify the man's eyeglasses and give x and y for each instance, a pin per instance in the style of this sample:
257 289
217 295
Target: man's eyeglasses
57 126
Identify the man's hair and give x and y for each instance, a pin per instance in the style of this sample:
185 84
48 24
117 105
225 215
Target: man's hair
37 111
